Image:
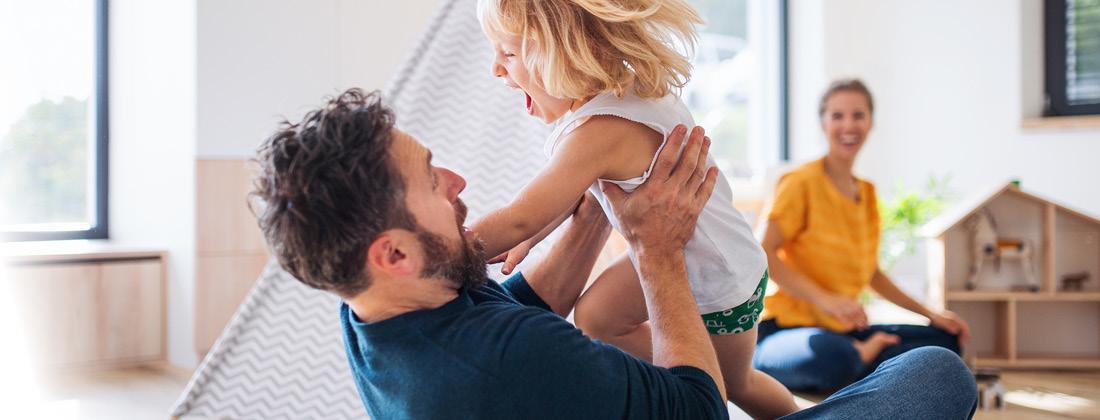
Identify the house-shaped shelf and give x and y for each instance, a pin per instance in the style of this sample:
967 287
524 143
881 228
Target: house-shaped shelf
1054 327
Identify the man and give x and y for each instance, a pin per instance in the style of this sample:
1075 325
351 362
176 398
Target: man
354 206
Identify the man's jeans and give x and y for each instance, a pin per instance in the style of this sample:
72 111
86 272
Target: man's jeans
923 383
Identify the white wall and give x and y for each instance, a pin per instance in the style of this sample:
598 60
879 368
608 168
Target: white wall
152 146
259 61
952 80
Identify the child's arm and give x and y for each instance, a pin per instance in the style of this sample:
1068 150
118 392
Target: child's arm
575 166
514 256
550 228
582 157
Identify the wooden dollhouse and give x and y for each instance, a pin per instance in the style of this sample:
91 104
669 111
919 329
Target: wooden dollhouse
1024 272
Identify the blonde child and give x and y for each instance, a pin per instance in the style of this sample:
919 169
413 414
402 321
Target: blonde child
604 71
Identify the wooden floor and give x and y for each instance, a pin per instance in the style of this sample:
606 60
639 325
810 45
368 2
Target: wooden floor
135 393
148 393
1038 395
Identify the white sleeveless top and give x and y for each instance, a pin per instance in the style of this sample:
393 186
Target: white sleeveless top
724 261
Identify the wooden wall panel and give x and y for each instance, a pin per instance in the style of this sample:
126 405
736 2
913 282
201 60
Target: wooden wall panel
224 222
229 245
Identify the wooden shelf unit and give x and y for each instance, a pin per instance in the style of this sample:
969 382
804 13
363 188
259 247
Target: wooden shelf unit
968 296
1051 328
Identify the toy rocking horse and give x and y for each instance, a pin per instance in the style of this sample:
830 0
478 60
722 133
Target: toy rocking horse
985 244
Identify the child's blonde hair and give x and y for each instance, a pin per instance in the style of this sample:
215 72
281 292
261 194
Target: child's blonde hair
579 48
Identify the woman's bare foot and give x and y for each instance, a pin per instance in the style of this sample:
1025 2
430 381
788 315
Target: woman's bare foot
870 348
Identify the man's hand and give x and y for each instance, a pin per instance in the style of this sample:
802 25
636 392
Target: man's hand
658 219
662 212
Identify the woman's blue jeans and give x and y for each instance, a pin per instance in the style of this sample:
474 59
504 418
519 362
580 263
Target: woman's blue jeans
818 360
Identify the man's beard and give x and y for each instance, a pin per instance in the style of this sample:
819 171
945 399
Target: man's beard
465 266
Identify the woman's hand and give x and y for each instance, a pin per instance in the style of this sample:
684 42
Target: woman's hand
952 323
847 311
513 257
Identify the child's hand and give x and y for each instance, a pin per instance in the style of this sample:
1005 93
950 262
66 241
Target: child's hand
512 257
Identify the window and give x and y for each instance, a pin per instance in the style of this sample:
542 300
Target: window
1072 37
53 120
738 86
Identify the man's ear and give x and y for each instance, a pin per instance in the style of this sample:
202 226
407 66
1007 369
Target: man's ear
391 252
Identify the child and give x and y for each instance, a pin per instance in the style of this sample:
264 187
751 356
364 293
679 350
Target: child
605 72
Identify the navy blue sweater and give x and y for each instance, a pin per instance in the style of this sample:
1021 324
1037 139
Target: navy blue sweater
498 352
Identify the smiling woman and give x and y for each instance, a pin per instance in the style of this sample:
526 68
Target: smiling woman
822 242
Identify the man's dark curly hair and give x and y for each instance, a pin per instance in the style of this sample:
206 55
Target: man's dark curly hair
327 188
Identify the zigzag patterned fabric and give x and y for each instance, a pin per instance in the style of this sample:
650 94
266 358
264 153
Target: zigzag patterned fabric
282 355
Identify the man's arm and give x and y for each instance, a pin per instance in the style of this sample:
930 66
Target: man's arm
552 367
657 220
560 276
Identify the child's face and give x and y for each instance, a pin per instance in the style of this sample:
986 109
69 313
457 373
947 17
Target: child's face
509 66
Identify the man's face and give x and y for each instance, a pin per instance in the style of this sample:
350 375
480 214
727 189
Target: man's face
431 195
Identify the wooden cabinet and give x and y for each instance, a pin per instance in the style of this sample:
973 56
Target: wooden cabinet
75 312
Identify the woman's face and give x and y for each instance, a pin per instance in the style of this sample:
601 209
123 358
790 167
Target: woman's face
509 66
846 122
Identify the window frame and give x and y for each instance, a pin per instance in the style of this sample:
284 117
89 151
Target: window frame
1054 45
99 228
784 80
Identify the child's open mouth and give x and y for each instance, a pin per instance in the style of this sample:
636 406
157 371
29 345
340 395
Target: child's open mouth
530 109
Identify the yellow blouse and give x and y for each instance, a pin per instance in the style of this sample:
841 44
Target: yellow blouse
829 238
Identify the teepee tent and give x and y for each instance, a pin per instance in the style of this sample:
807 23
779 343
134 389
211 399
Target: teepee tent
282 354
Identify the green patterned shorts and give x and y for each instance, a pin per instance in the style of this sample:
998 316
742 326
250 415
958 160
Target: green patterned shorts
740 318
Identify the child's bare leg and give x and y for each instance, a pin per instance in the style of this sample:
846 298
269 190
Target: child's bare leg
613 310
758 394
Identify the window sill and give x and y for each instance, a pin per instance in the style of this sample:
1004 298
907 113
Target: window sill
1061 123
72 251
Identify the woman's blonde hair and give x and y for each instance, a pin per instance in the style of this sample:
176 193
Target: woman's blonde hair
579 48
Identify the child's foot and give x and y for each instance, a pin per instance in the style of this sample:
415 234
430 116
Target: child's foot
870 348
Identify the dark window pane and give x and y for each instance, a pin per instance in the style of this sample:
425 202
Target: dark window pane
1083 52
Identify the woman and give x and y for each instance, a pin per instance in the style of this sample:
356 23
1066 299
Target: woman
822 243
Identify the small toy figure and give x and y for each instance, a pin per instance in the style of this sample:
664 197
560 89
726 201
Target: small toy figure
991 392
984 243
1075 282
